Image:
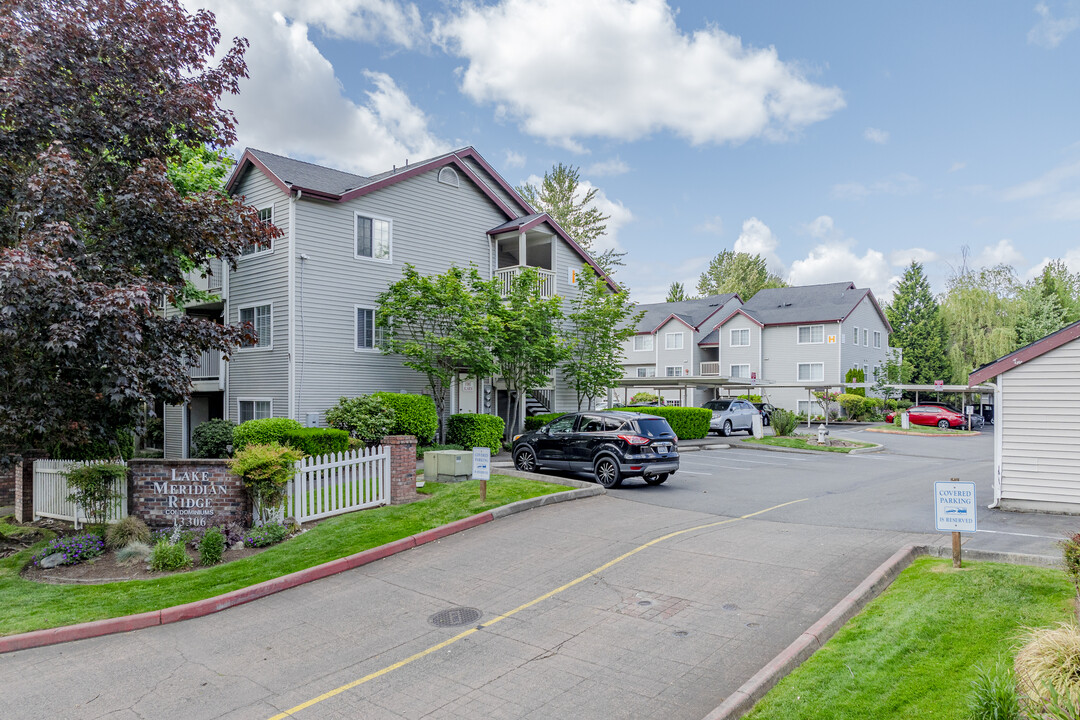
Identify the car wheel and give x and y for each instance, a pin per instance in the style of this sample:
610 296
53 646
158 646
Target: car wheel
943 423
525 460
765 421
727 428
656 479
607 473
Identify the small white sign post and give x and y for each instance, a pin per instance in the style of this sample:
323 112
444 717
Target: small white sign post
481 468
954 511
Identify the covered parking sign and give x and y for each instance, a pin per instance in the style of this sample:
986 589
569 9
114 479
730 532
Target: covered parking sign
954 506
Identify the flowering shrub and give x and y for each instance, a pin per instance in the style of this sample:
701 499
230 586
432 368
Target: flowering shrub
269 534
75 549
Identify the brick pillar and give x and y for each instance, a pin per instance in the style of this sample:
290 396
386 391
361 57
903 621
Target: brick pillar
24 485
402 468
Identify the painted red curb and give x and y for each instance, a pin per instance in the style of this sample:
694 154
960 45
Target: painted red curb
201 608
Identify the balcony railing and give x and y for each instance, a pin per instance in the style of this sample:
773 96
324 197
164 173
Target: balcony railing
709 369
206 367
507 275
212 282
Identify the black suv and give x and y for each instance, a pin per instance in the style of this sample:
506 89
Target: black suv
612 445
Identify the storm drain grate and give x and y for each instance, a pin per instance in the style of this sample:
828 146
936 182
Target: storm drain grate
455 617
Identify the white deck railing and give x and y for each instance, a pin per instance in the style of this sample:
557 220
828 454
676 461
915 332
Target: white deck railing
207 366
506 277
707 369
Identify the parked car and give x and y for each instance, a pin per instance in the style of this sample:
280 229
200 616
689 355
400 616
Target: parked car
729 415
766 411
933 415
977 420
612 445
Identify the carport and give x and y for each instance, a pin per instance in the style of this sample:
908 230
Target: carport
682 384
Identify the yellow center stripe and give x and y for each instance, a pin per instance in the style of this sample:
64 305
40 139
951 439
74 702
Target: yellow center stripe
435 648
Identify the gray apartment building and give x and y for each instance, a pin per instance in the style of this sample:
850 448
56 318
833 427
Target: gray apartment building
782 341
311 296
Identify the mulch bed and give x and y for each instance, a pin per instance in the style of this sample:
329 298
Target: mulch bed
812 440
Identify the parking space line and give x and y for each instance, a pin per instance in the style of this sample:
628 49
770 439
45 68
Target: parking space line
460 636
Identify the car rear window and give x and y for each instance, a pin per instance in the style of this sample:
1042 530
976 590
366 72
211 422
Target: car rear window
654 427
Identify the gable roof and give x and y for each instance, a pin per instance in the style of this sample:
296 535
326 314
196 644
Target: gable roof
323 183
692 312
831 302
744 313
1022 355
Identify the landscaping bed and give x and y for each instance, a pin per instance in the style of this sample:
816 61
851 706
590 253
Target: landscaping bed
913 652
919 430
809 442
29 605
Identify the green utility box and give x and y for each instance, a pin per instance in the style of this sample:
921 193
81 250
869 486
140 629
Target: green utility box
448 465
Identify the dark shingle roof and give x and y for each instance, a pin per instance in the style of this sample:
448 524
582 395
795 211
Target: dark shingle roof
322 179
712 338
514 223
807 303
693 311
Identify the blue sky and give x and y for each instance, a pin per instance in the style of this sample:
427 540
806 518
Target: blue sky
840 141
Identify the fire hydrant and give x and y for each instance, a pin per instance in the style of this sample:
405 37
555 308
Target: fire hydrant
822 435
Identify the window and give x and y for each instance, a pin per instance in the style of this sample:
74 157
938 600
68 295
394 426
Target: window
811 334
643 342
740 338
811 372
590 423
449 176
611 424
740 371
673 403
260 317
866 338
804 407
563 425
855 337
877 339
673 341
368 337
266 214
673 371
373 238
254 409
646 372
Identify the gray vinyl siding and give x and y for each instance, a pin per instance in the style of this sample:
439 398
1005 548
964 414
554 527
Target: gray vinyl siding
730 355
1039 424
495 188
174 431
865 317
782 355
434 226
564 259
261 279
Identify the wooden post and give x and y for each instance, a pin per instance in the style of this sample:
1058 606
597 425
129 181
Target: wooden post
483 498
956 549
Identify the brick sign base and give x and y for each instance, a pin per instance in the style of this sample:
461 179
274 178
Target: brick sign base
190 493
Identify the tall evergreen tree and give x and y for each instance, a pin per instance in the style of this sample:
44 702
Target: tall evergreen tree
676 292
1041 308
737 272
917 326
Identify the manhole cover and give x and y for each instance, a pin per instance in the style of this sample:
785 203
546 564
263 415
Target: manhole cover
753 625
730 606
454 617
644 603
681 633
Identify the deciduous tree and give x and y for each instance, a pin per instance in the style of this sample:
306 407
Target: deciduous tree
979 313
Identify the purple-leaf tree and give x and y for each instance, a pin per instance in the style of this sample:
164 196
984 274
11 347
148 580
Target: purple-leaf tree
96 100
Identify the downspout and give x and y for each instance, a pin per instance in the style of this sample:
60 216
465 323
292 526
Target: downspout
290 256
998 437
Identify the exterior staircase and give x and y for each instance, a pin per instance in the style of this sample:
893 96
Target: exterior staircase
539 402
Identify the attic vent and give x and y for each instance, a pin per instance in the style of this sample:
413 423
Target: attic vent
449 176
714 304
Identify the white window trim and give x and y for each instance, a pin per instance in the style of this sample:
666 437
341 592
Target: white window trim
731 337
646 370
357 215
452 173
635 348
682 343
856 328
261 251
374 331
811 341
731 371
257 348
253 400
866 337
673 367
877 339
811 378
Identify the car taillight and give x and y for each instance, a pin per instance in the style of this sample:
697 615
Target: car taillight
635 439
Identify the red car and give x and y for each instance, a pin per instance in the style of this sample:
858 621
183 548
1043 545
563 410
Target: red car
933 415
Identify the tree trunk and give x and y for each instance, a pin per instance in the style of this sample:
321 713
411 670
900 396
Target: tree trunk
515 416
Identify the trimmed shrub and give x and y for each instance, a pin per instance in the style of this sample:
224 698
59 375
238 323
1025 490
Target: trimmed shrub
169 556
856 406
212 547
475 430
212 438
420 450
126 531
687 423
644 397
364 417
265 471
413 415
317 441
124 446
262 432
535 422
750 398
856 376
784 422
92 489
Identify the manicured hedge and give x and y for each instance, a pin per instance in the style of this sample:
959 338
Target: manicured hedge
687 423
212 438
317 441
97 449
475 430
262 432
535 422
413 415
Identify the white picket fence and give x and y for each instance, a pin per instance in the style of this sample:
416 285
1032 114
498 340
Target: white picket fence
327 485
51 492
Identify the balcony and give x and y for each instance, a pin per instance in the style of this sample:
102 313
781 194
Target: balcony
215 271
506 276
709 369
206 367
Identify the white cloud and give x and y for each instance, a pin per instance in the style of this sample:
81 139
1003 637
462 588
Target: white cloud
1048 183
293 103
712 226
757 238
835 261
1049 31
364 20
1071 259
903 258
614 166
958 165
898 184
1066 207
820 227
624 70
515 159
876 135
1003 253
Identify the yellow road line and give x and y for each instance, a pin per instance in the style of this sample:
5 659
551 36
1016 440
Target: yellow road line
435 648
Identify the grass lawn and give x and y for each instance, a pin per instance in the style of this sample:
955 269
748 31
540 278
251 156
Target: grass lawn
26 605
911 654
914 429
796 442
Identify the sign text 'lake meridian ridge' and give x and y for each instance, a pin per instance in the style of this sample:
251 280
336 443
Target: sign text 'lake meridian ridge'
190 493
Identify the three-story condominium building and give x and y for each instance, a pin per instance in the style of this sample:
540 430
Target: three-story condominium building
311 295
782 340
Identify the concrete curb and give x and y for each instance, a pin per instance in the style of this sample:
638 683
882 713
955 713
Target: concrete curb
743 700
208 606
884 431
800 451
